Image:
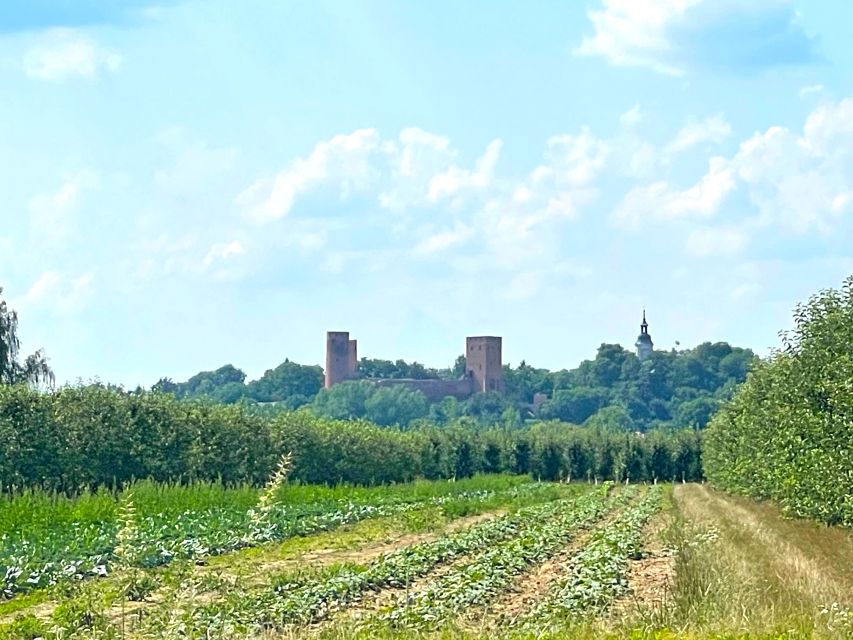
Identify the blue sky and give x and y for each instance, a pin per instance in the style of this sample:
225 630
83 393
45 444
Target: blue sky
191 183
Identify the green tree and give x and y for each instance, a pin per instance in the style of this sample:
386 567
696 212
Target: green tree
34 369
344 401
574 405
291 383
395 405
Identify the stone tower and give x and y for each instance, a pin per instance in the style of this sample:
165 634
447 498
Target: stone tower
644 343
341 358
483 363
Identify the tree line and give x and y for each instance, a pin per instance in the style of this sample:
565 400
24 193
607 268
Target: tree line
613 391
90 436
787 434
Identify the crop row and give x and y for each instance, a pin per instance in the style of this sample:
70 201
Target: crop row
495 568
74 551
303 600
599 571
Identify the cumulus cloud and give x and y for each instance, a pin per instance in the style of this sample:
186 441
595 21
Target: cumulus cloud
811 89
455 180
444 240
676 36
632 117
792 181
713 242
714 129
344 160
222 251
59 293
660 201
61 54
801 181
195 163
53 215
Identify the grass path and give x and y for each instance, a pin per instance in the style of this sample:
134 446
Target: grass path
742 566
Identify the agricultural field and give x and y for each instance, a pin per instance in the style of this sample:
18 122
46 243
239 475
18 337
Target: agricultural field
489 556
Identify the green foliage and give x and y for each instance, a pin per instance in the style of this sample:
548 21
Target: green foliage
679 389
670 388
291 384
787 434
34 369
599 570
395 405
344 401
494 568
151 524
93 436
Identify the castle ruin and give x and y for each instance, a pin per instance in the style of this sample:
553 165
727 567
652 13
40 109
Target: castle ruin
483 368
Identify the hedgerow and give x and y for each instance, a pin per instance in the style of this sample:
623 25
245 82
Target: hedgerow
86 437
787 434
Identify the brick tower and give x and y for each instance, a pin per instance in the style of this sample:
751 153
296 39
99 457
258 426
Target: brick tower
483 363
341 357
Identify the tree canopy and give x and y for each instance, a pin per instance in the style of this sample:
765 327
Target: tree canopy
614 391
34 368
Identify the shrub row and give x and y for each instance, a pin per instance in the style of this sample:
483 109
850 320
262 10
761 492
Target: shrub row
89 436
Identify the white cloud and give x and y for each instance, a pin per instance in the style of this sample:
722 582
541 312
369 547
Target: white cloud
195 164
344 160
415 158
58 293
659 201
52 215
804 181
64 53
524 285
714 129
675 36
632 117
443 240
810 90
712 241
222 251
574 160
634 32
796 182
455 180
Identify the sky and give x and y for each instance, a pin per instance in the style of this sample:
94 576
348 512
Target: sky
186 184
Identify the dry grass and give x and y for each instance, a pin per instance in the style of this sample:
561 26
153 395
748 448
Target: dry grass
742 568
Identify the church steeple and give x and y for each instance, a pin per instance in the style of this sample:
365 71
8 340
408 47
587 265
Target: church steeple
644 343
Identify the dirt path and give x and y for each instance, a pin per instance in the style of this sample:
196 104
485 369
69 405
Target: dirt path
649 577
532 586
361 555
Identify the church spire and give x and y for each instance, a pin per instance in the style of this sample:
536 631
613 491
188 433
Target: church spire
644 343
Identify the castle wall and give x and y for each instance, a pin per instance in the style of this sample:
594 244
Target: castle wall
484 370
433 389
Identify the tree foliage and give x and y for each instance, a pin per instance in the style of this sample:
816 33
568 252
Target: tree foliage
787 434
670 389
97 435
34 369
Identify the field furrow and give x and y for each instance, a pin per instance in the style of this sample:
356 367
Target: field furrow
308 598
598 571
476 582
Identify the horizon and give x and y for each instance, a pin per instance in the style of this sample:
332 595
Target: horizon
193 183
